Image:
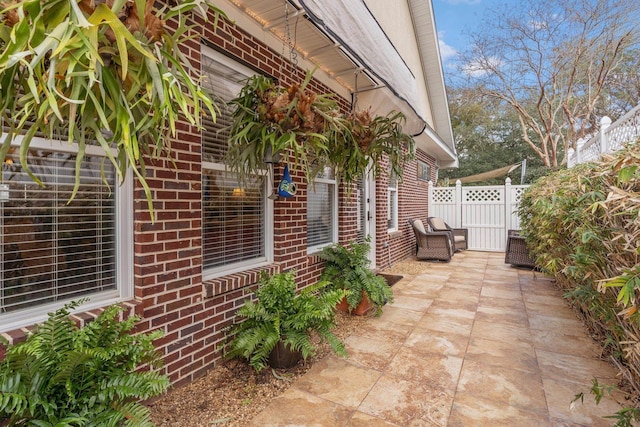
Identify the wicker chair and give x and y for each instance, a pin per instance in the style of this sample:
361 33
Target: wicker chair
431 245
517 253
459 236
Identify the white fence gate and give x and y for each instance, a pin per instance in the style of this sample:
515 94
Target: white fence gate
487 212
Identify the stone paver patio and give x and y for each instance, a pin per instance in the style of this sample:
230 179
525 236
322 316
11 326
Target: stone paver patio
473 342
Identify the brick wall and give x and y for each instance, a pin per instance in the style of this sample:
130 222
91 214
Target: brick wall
169 292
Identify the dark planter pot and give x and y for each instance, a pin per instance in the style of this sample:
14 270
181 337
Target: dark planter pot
282 357
364 307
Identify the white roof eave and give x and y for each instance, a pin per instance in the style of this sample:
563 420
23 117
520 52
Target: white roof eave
352 25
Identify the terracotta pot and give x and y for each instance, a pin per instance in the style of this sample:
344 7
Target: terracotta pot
361 309
282 357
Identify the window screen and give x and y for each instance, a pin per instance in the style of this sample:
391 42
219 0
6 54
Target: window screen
234 215
321 210
53 250
392 218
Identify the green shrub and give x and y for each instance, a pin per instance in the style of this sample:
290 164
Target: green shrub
66 376
582 226
281 314
348 268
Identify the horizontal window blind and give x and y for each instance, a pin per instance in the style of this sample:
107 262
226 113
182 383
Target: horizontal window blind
321 210
234 215
50 249
392 206
233 219
223 83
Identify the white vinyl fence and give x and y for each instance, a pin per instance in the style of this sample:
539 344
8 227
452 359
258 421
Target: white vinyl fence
610 138
487 212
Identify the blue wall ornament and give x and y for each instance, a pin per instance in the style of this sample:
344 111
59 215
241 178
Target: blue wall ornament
287 187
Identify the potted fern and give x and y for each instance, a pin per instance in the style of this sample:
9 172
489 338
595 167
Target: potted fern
63 375
277 330
348 268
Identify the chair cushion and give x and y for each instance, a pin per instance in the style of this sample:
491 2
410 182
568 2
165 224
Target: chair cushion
458 239
438 224
419 225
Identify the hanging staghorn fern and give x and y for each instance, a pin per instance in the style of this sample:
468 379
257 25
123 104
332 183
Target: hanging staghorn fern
106 72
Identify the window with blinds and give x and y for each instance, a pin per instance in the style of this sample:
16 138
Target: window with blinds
52 250
392 205
322 211
234 215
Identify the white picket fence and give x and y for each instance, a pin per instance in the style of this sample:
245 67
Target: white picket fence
487 212
610 138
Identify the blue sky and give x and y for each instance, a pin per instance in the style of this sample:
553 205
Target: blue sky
455 19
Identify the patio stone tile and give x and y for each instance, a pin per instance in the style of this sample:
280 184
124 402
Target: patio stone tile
397 316
454 312
467 276
515 355
459 303
575 369
502 315
434 276
500 292
361 419
296 408
445 343
586 413
370 353
543 299
551 310
437 370
419 288
459 295
408 404
539 287
508 283
555 341
502 385
411 302
338 381
500 274
507 304
465 286
384 331
437 322
470 410
550 323
500 332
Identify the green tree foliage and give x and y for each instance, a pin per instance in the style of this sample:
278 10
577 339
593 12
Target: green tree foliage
550 61
66 376
282 315
488 137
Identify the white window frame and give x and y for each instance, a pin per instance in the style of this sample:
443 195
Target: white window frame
124 246
334 215
392 204
215 272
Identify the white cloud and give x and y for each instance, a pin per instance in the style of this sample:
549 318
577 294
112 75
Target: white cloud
481 68
447 52
537 25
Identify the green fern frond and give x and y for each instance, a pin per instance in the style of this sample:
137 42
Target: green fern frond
91 372
282 315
